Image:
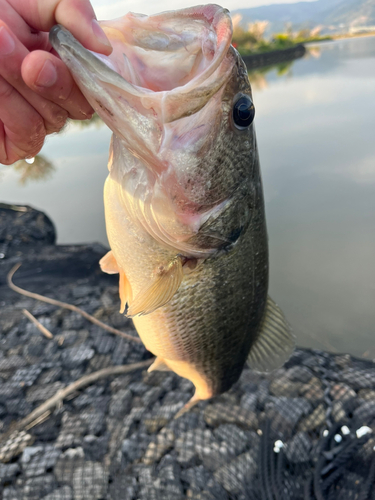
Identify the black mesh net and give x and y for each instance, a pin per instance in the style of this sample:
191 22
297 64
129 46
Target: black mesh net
306 431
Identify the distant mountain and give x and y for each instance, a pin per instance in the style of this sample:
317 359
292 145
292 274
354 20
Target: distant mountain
332 15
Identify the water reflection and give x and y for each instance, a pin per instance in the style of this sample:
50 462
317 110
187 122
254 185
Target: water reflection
314 51
315 131
40 169
258 78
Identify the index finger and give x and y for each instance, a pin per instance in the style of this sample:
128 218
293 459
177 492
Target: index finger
77 16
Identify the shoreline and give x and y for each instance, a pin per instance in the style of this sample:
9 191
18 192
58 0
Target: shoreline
272 57
357 35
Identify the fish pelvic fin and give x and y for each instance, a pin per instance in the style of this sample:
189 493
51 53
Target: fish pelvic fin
108 263
125 291
275 342
160 365
161 290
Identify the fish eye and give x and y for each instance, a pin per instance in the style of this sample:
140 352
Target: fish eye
243 112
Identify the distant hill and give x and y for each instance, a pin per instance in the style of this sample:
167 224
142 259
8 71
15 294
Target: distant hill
332 15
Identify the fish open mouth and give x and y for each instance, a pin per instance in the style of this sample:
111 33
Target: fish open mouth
163 69
171 63
169 50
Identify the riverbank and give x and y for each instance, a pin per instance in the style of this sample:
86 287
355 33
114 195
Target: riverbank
354 35
299 430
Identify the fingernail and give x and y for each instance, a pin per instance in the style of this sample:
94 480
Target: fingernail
47 76
7 44
99 33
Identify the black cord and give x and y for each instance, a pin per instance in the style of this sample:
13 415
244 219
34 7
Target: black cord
307 488
266 451
369 484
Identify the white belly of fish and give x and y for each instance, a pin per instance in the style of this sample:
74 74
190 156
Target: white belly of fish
137 256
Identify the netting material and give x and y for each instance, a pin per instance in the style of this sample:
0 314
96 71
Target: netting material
284 436
118 440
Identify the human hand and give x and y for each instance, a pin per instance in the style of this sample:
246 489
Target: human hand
37 92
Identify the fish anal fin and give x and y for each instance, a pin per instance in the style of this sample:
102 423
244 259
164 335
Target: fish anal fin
125 291
161 290
108 263
203 388
275 342
160 365
188 406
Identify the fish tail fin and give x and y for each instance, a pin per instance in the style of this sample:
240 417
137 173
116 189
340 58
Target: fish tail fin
275 342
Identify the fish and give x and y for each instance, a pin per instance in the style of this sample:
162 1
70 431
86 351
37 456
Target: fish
183 200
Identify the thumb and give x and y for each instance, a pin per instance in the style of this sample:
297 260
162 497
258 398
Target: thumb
77 16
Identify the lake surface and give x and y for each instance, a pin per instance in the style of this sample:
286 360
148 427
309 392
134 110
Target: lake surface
315 122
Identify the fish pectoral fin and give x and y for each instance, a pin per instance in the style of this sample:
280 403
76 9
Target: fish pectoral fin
108 263
275 342
161 290
160 365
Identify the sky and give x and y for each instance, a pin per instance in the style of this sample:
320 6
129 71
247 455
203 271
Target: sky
110 9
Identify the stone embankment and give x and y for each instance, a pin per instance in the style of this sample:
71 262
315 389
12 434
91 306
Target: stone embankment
305 431
273 57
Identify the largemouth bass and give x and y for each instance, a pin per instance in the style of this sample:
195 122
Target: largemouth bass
183 199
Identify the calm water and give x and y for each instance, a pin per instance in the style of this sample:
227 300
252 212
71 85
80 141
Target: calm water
316 132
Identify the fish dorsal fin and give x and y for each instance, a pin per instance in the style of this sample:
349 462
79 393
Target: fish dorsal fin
125 291
161 290
275 342
108 263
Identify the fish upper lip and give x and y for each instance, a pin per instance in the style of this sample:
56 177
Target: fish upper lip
62 40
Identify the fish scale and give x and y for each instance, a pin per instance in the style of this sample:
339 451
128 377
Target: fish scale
183 199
